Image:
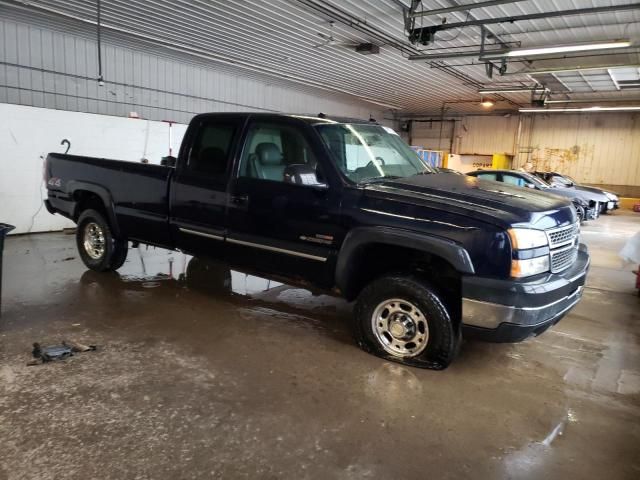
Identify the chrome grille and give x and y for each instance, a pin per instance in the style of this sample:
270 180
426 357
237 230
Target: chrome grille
563 258
563 243
563 236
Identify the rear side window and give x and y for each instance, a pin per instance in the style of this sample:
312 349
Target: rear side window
211 149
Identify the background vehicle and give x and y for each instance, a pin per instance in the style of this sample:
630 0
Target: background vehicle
585 209
608 201
345 206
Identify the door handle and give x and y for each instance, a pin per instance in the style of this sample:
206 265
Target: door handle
239 199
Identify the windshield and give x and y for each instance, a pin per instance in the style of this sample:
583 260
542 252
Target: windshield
562 180
535 180
368 152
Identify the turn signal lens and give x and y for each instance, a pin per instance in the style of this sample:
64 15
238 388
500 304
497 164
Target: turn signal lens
531 266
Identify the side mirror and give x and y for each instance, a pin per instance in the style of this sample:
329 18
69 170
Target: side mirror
168 161
301 174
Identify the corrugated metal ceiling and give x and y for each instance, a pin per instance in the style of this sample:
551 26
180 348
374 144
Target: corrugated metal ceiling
281 37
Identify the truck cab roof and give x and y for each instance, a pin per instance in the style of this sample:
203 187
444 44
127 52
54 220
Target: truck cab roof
311 119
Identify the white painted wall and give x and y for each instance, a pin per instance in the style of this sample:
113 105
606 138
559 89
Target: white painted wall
486 135
594 148
28 134
597 148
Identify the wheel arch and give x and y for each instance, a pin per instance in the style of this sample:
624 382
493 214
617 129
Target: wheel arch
89 195
364 243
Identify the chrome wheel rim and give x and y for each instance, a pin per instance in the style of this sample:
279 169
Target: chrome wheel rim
400 327
93 240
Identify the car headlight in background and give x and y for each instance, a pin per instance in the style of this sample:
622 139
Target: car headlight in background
524 238
611 196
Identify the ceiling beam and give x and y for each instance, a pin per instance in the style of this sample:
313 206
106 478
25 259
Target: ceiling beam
461 8
532 16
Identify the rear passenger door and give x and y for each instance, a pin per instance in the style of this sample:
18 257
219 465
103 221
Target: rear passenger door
276 225
199 188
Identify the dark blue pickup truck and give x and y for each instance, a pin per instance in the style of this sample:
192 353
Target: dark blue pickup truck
345 206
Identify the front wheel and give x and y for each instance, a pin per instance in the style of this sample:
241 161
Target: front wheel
401 318
98 248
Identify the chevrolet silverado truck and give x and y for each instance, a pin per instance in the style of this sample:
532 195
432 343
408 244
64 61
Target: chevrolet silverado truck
347 207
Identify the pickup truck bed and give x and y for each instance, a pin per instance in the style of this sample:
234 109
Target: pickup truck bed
136 194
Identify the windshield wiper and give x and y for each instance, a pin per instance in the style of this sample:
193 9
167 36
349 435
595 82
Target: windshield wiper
368 181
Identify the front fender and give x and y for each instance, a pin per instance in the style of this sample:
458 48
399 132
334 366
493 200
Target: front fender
452 252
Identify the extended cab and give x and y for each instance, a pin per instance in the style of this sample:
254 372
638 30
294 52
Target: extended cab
346 206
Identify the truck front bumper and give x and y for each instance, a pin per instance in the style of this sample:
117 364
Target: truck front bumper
513 310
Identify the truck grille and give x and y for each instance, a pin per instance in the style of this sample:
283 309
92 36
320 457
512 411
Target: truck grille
563 236
563 258
563 243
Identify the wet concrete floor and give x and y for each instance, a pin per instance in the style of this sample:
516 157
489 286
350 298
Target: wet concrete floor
261 380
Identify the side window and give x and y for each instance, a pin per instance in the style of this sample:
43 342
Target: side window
488 176
211 149
279 153
513 180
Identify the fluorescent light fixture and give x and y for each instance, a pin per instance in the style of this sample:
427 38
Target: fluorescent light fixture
580 109
512 90
593 100
529 52
577 68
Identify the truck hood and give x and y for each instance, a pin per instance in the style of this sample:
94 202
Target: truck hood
495 202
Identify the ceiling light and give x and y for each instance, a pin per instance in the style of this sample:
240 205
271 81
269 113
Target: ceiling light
512 90
487 103
580 109
593 100
528 52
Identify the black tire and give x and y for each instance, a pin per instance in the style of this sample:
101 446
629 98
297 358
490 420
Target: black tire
581 213
208 276
443 338
107 253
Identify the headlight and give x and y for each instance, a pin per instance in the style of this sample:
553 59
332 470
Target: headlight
524 238
527 239
531 266
611 196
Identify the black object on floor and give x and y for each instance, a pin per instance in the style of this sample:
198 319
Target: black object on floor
4 230
57 352
53 352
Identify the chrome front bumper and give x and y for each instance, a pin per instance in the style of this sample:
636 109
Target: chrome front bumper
489 315
499 310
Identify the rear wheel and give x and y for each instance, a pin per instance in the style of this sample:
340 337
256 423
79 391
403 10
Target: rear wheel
401 318
581 213
98 248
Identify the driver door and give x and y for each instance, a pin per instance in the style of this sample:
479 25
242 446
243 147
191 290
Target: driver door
277 226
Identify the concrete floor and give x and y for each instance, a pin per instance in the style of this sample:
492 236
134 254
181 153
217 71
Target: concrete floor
265 382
